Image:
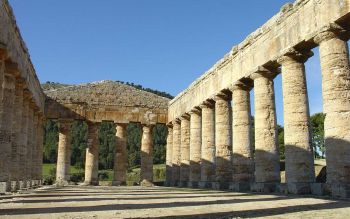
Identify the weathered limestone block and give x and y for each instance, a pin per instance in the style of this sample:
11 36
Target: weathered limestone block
169 156
223 141
91 163
176 156
146 174
17 143
64 153
267 168
185 150
35 181
208 145
297 131
195 147
334 58
6 116
120 159
41 123
243 159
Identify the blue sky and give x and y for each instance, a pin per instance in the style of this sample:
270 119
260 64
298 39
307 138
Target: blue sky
160 44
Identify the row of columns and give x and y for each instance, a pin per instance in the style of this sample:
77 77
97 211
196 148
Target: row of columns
92 155
205 149
21 132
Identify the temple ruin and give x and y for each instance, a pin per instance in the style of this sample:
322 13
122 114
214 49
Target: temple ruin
209 143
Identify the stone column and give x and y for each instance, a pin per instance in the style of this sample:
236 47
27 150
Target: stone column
146 175
30 146
169 156
64 153
24 162
334 58
223 141
6 116
17 143
176 156
243 158
120 158
208 145
91 163
185 151
35 181
40 148
195 147
297 131
267 163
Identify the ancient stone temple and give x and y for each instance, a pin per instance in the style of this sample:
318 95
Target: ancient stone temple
105 101
209 142
213 113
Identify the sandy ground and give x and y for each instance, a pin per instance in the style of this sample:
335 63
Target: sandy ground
159 202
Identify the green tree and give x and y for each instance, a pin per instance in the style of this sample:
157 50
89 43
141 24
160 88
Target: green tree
79 143
317 124
107 145
50 142
280 131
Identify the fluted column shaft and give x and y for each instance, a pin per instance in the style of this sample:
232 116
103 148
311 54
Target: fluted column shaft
176 157
30 143
267 168
6 116
334 58
24 162
64 153
208 145
169 156
223 141
35 181
297 131
146 175
91 163
243 160
17 143
195 147
120 159
185 151
40 149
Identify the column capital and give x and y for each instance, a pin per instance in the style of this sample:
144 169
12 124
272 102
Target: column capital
3 51
124 125
240 86
185 116
176 121
195 111
208 104
169 124
12 68
328 32
64 125
293 55
222 95
264 72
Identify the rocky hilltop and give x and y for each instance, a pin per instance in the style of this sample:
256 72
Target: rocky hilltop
109 93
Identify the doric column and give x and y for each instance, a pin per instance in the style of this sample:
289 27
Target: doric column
243 159
35 181
208 145
169 156
17 143
120 158
297 131
29 160
267 168
6 116
24 162
195 147
41 123
146 175
176 156
64 153
334 58
223 141
91 163
185 151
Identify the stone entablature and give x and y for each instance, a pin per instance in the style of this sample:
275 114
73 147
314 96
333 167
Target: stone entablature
106 101
295 26
17 54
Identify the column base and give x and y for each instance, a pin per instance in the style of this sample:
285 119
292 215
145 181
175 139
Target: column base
340 190
146 183
193 185
5 187
22 184
221 185
61 183
205 185
29 184
299 188
240 186
14 186
265 187
118 183
94 183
